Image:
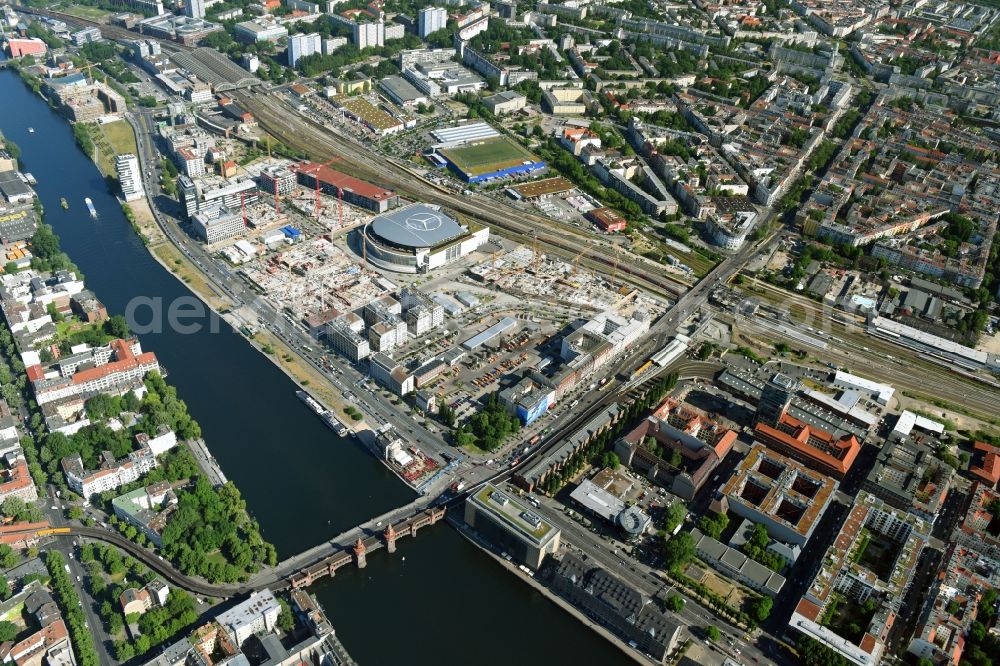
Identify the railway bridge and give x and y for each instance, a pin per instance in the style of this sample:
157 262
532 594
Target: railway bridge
358 551
294 572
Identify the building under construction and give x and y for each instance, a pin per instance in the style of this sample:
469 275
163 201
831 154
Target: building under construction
352 190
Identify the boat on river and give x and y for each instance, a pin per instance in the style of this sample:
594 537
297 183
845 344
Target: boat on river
64 203
324 414
90 207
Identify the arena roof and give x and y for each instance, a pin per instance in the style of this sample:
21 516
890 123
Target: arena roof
416 226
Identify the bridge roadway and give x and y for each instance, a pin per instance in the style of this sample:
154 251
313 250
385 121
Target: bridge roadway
308 565
305 567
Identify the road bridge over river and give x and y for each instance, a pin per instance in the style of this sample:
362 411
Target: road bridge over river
353 545
297 571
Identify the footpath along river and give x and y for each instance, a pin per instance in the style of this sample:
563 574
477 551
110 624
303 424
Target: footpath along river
446 602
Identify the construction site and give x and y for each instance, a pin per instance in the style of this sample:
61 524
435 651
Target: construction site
327 211
310 276
525 273
499 318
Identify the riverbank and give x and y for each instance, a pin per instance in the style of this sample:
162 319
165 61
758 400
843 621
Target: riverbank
300 482
169 255
222 568
468 534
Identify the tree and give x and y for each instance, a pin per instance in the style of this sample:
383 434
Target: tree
813 653
8 557
714 526
8 630
610 459
116 327
713 633
675 602
675 516
762 607
678 551
286 621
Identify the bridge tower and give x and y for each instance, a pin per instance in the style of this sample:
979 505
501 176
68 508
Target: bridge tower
359 553
390 538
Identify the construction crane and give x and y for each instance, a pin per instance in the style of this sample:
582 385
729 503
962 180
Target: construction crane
576 260
340 197
536 257
86 68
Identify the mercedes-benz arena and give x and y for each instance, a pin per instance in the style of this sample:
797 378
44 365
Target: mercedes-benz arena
419 238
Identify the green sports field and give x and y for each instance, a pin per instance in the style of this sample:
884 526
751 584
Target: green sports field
487 156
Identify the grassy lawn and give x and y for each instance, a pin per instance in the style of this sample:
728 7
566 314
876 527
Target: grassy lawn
475 450
700 265
14 615
317 385
120 135
110 140
488 155
92 13
191 277
67 327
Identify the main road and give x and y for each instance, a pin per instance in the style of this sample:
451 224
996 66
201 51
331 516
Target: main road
241 296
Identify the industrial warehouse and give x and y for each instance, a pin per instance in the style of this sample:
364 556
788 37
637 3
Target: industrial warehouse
419 238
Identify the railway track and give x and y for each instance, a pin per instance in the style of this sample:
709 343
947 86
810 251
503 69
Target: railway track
279 119
285 123
112 31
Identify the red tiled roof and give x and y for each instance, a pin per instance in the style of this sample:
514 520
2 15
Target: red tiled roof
868 643
990 469
17 479
40 640
807 609
125 360
847 447
343 181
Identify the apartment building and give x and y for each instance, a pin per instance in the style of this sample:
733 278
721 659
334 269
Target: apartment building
129 176
109 475
431 19
113 369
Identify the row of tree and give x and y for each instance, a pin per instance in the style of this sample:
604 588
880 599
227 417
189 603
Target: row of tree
106 564
71 609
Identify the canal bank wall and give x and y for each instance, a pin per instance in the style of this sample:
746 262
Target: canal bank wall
469 534
299 480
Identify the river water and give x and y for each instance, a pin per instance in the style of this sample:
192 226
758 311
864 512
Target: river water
439 600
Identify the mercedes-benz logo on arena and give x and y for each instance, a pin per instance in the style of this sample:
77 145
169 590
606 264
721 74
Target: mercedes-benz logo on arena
423 221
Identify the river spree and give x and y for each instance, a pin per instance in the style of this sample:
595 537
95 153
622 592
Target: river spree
446 602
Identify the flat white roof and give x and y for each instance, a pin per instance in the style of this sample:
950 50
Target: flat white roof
598 500
908 421
930 340
834 641
464 133
884 391
846 407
